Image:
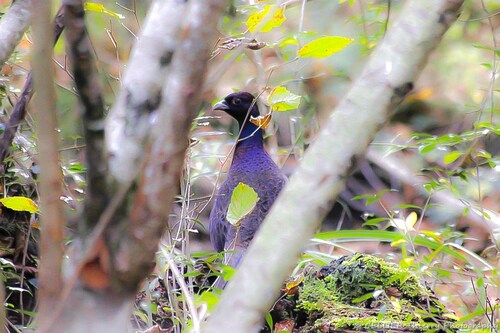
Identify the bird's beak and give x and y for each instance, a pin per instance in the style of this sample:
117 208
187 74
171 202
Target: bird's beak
221 105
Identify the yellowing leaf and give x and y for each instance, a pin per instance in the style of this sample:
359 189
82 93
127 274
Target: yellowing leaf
20 204
261 121
420 95
267 19
324 47
99 8
281 99
295 282
396 304
452 157
243 202
406 224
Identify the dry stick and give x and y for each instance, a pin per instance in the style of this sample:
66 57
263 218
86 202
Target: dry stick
19 110
53 220
305 200
89 89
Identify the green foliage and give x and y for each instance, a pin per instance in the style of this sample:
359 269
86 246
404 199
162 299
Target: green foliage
243 202
281 99
353 289
324 47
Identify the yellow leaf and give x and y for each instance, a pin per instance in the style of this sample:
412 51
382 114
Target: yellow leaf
406 224
261 121
267 19
99 8
396 304
324 47
411 219
281 99
295 282
420 95
20 204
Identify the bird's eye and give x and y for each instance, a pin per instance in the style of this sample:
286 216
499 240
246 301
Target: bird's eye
236 101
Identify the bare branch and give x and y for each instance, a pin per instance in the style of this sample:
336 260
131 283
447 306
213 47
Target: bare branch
180 98
12 27
19 110
129 121
304 202
52 219
90 95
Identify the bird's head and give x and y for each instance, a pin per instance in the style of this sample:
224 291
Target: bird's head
238 105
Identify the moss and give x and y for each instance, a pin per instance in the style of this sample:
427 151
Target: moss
367 293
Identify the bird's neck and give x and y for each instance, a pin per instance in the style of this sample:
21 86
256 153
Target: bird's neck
251 136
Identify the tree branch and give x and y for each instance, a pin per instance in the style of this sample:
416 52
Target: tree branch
12 27
129 121
89 88
52 217
305 201
19 110
169 139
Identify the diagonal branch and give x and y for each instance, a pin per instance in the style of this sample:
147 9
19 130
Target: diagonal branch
89 88
169 138
300 208
129 121
12 27
19 110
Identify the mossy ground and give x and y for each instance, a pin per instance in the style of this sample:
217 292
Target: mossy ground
365 293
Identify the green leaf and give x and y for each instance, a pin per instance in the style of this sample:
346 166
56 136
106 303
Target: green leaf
20 204
207 297
99 8
452 157
269 321
281 99
324 47
243 202
267 19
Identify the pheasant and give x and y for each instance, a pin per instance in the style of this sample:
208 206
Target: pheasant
252 166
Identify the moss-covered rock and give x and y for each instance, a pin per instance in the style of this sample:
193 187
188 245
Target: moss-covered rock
365 293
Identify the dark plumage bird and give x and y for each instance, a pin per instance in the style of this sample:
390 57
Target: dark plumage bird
251 165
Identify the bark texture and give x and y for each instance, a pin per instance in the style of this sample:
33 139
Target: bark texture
299 210
130 119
